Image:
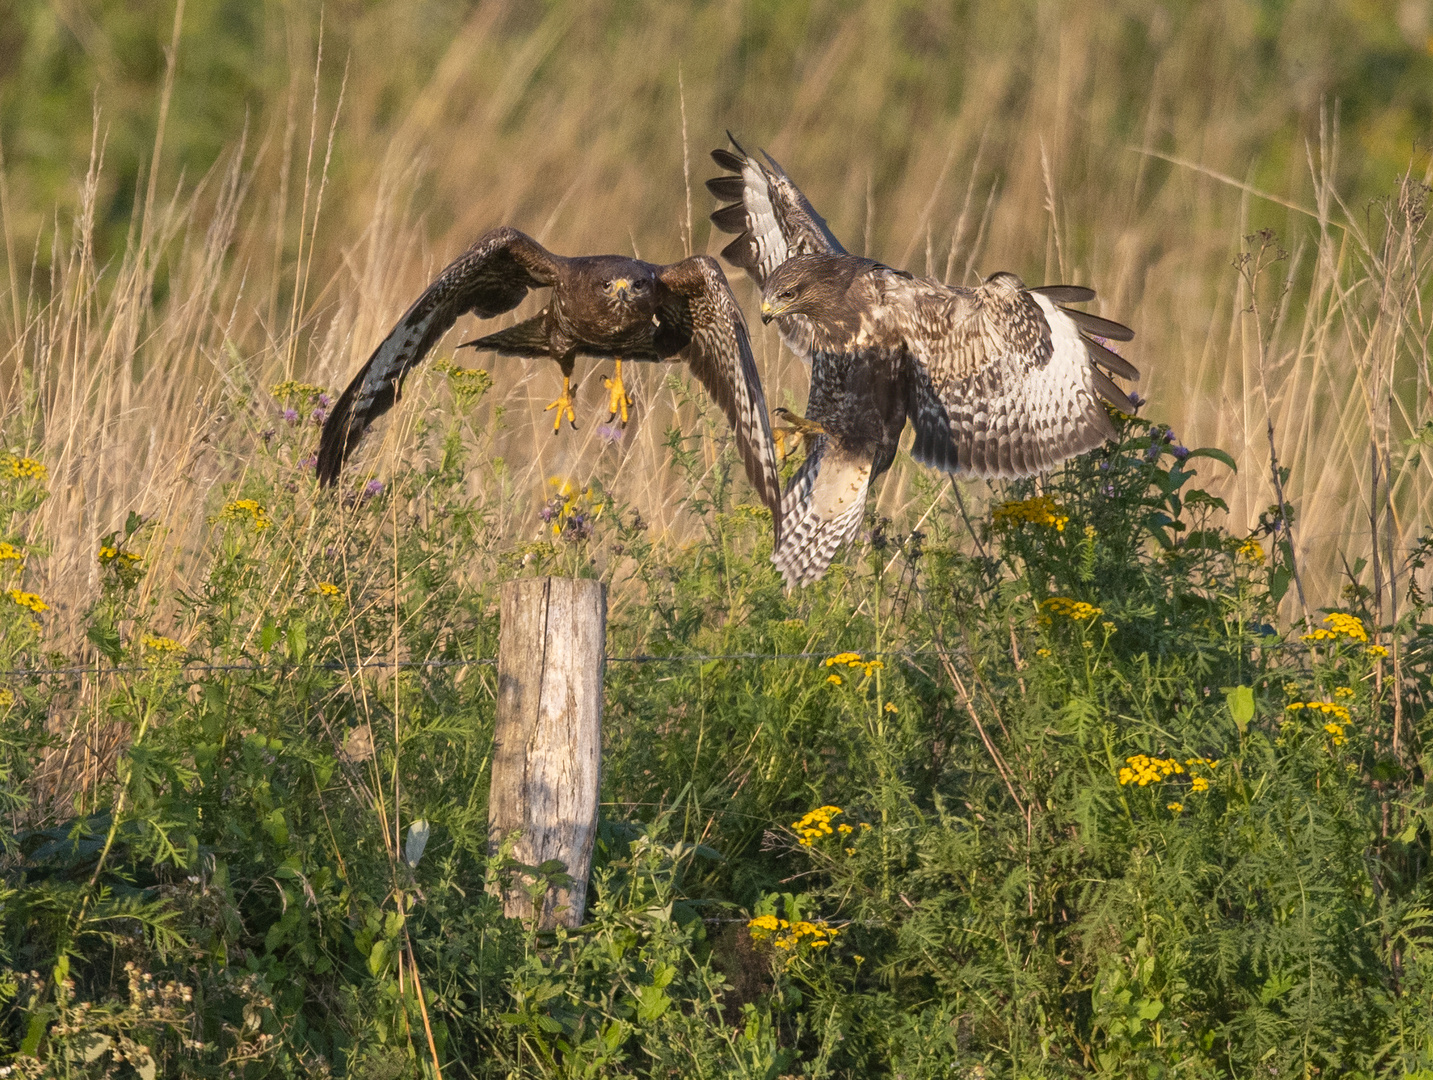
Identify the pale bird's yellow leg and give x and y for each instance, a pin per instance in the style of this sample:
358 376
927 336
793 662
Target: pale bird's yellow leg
795 429
619 400
563 405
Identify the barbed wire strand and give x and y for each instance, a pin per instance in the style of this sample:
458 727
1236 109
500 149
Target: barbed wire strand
636 658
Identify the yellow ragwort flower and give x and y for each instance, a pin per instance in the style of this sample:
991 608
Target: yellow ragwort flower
24 468
1040 510
1251 550
844 659
28 600
1378 652
10 551
834 680
329 589
1339 625
162 644
1075 609
250 510
891 708
1199 784
1177 807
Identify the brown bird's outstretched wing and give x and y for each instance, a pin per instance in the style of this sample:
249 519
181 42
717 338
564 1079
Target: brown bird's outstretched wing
702 325
489 278
773 221
1002 379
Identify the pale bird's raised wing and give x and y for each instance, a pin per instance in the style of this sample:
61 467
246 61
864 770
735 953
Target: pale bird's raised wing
702 325
489 278
773 221
1003 380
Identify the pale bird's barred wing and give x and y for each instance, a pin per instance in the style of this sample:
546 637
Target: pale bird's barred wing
821 510
489 278
711 337
773 221
1003 380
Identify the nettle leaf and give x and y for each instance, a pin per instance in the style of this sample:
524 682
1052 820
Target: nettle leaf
107 640
1215 453
1240 700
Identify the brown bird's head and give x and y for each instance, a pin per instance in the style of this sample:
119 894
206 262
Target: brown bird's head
626 285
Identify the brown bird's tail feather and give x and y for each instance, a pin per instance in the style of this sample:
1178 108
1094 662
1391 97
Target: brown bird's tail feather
821 510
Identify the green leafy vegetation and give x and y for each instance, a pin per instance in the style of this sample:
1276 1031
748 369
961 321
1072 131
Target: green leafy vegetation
1058 797
1120 772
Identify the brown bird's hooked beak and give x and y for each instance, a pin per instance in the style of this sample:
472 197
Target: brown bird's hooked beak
622 289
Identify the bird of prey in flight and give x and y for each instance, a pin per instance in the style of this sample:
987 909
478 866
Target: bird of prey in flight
600 306
998 380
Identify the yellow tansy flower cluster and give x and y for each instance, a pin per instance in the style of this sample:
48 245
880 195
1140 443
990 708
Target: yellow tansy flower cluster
28 600
289 389
7 698
1336 733
1075 609
328 589
1339 712
1144 770
852 660
24 468
1177 807
1339 625
162 644
248 509
1378 652
1251 550
1343 691
787 935
1041 510
1199 783
10 551
816 824
109 554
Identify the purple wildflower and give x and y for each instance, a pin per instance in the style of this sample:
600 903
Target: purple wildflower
373 487
1136 400
317 416
1152 454
610 432
324 401
291 416
1180 451
1104 466
1109 490
547 513
308 461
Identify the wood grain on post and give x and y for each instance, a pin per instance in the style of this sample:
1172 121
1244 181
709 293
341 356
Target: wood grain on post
552 647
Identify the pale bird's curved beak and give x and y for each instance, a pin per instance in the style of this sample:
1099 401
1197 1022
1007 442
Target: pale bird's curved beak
768 312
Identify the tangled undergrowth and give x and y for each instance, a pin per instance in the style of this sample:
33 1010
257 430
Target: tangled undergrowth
1060 798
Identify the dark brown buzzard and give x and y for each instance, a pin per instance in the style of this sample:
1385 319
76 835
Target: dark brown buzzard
998 380
600 305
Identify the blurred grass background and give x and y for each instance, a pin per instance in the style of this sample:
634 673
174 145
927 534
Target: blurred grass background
315 165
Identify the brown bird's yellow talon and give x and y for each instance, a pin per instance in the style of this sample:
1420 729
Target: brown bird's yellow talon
619 400
563 405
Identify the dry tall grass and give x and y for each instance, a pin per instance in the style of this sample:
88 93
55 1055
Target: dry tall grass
1132 150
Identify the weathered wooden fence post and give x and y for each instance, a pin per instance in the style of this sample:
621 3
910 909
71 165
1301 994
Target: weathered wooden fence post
552 646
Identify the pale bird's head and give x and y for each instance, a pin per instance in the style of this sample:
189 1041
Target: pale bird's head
813 285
